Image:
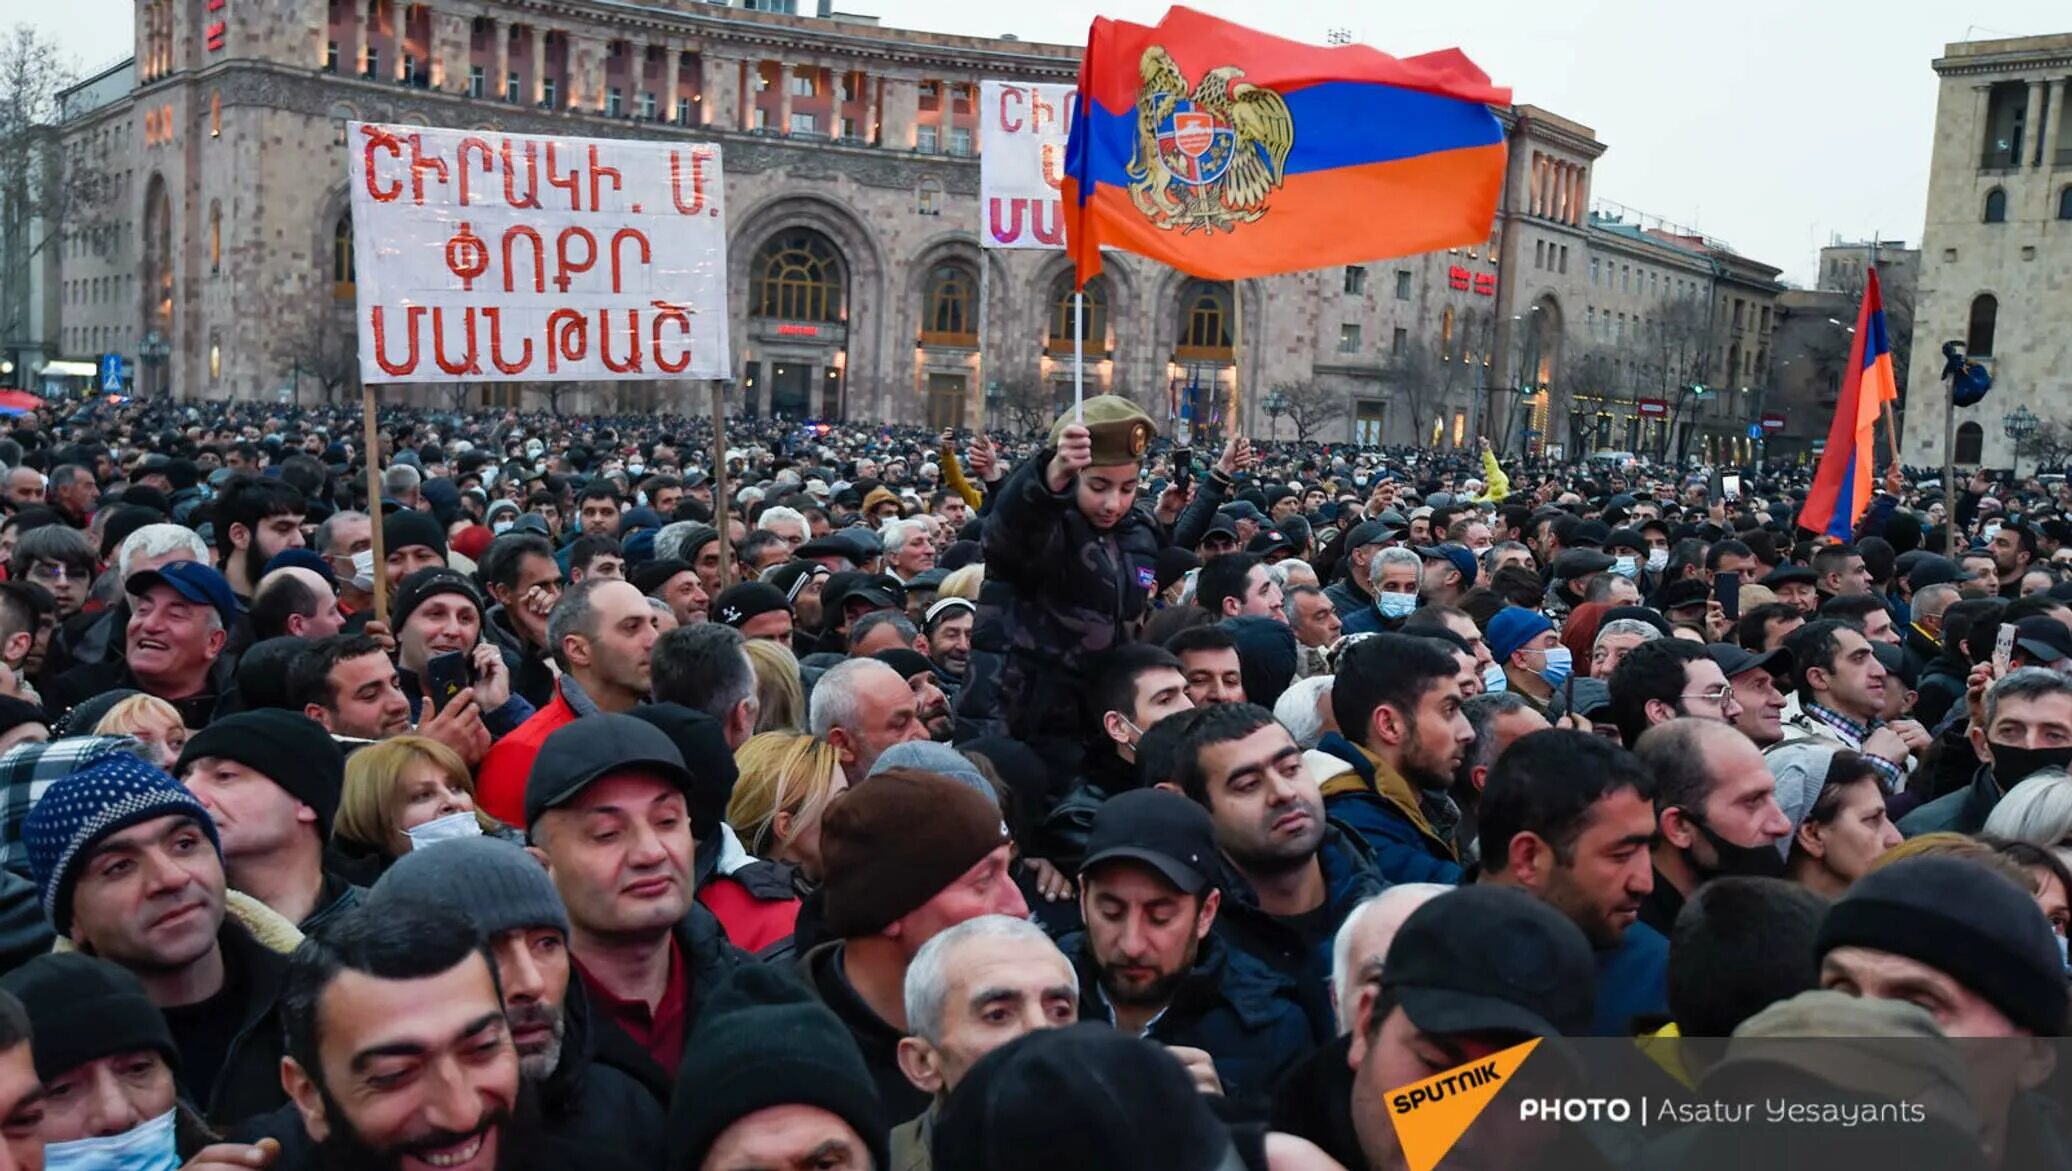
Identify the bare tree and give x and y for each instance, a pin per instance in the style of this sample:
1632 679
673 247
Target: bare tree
555 392
1025 405
1419 378
1310 407
318 341
1595 370
1676 344
43 194
458 393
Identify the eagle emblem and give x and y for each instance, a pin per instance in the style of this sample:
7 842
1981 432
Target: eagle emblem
1207 157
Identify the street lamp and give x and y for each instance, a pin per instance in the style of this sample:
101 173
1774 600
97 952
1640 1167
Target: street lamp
1275 403
154 350
2018 425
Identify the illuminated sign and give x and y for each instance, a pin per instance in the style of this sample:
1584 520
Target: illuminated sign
1652 408
1458 277
1485 284
788 329
1773 421
216 32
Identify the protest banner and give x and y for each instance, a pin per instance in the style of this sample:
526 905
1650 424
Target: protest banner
536 258
1021 170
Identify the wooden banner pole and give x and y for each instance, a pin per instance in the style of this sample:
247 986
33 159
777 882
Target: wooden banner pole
373 440
719 482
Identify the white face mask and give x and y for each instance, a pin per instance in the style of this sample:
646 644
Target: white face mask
503 526
636 469
1658 559
148 1146
444 829
1493 679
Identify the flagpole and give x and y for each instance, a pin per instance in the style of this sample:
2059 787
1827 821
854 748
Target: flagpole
1237 354
1079 355
985 270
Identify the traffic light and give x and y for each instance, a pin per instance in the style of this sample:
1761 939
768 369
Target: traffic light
1698 389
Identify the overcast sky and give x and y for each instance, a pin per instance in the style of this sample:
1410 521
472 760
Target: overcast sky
1770 124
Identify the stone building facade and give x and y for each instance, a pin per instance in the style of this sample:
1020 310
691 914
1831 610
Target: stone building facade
1996 258
855 274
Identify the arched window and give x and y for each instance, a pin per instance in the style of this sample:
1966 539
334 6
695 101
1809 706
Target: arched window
215 237
797 276
1096 315
1985 315
1971 444
1446 335
950 313
343 274
2065 204
928 196
1205 322
215 114
1996 206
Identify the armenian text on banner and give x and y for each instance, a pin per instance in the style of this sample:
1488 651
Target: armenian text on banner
519 257
1021 171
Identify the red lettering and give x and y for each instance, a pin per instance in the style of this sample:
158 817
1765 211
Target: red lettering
697 203
1054 165
620 237
1010 122
461 162
409 363
1013 230
566 269
467 256
599 172
632 364
379 139
419 164
1055 232
568 338
532 176
1041 111
669 312
571 182
467 363
496 344
539 258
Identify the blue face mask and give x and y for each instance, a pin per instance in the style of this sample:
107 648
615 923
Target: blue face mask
1626 566
2065 955
1560 664
1395 605
1493 679
145 1147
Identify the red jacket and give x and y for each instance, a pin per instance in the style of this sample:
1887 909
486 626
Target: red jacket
500 782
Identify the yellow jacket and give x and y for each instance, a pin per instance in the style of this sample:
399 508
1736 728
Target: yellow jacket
1497 485
953 477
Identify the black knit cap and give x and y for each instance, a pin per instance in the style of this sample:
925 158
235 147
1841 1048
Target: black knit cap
287 748
82 1009
655 574
742 601
1126 1105
406 527
427 583
1965 921
764 1040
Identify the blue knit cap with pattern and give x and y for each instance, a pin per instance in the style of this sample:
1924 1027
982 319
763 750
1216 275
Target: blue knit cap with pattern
77 812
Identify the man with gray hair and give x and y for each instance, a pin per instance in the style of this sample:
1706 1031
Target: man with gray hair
909 547
788 523
1360 950
1395 575
1924 637
970 990
1496 718
862 707
97 638
704 668
1614 639
402 484
180 619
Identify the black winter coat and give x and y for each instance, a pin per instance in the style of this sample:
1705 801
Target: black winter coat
1248 1019
711 957
249 1082
1350 875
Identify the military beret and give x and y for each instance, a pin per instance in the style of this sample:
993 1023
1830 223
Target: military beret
1119 428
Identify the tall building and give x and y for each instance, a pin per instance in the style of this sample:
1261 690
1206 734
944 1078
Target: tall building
854 272
1996 258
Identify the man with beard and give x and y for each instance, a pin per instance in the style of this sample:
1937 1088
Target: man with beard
255 518
947 626
399 1052
1149 963
1291 878
931 705
511 903
129 868
970 990
802 582
1397 701
1716 806
607 810
1568 817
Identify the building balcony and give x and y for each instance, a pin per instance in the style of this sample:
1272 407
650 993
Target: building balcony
2000 160
948 339
1060 348
1224 354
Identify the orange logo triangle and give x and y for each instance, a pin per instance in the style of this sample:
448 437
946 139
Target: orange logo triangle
1431 1115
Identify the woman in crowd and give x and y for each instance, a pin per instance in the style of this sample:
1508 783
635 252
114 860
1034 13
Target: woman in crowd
149 719
778 692
787 780
1837 811
406 792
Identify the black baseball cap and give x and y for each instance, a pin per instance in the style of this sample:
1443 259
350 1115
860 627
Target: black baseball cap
1161 829
590 748
2044 638
1787 574
1486 959
1268 540
1734 660
1220 527
1589 534
1683 592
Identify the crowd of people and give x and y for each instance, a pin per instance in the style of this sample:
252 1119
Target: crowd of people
861 798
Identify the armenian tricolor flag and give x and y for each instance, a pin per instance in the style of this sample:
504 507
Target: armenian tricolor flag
1842 484
1228 153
